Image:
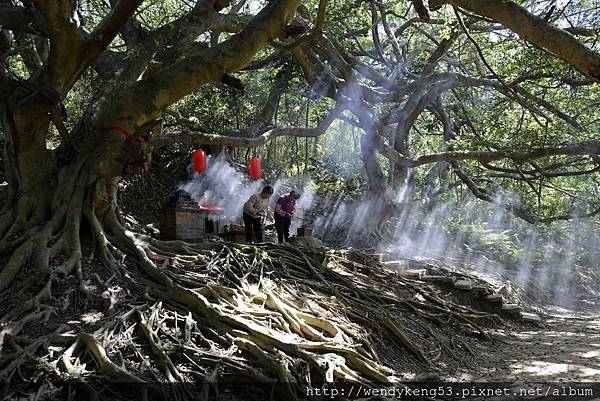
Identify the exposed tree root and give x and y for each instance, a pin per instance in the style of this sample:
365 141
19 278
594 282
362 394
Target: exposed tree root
215 312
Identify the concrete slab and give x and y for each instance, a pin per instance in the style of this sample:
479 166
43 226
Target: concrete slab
494 298
396 265
389 257
511 308
377 256
418 273
438 279
530 317
463 284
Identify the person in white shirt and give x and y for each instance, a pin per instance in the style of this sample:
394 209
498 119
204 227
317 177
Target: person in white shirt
255 210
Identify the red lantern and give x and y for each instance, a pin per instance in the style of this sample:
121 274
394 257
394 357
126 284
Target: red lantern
254 168
199 159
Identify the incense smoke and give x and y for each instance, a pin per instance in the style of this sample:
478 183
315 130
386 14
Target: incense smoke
222 186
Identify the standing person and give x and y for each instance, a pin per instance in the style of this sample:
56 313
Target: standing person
255 209
284 211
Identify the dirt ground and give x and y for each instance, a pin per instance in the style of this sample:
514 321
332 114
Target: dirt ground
566 348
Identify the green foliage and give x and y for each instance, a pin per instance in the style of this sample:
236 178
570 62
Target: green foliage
484 119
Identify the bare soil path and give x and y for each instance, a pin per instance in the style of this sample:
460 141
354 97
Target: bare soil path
565 349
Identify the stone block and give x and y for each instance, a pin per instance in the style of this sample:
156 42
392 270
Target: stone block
463 284
530 317
414 274
389 257
494 298
377 256
438 279
511 308
396 265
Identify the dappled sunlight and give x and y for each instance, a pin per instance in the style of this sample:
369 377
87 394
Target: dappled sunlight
591 354
92 317
566 349
548 333
540 368
552 370
594 325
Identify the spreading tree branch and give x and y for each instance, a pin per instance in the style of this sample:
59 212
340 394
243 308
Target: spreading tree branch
268 134
29 20
314 33
534 30
146 98
591 148
110 25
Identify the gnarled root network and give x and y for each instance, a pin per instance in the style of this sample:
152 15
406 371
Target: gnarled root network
213 313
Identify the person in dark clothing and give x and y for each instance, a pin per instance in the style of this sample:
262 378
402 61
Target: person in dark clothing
284 211
255 210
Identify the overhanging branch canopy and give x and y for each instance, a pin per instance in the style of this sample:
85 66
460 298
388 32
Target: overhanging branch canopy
591 148
535 30
258 139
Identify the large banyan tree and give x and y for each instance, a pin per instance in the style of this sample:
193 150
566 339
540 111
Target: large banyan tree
383 66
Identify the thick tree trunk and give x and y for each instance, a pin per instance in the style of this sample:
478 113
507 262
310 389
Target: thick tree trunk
47 202
29 165
401 174
375 175
48 199
373 214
